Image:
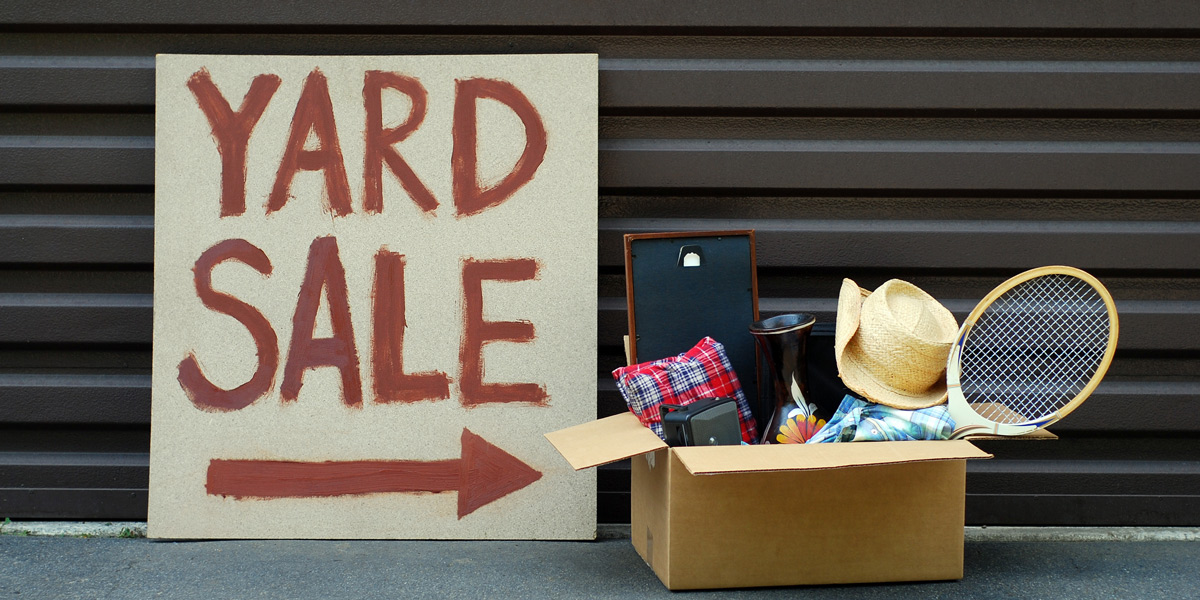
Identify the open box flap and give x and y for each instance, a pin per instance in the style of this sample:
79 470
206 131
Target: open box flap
604 441
709 460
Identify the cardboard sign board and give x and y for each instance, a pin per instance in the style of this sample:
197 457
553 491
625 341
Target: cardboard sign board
374 291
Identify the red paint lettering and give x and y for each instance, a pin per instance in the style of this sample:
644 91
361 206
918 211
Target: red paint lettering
198 388
477 332
231 130
469 196
392 384
481 475
380 141
314 113
324 272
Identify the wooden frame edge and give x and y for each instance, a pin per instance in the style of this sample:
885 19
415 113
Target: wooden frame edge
629 238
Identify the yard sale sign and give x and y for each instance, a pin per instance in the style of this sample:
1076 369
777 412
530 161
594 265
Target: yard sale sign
374 290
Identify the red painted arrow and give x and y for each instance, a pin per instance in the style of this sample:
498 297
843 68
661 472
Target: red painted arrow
484 473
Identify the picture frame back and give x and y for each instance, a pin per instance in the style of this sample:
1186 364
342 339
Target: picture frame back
683 286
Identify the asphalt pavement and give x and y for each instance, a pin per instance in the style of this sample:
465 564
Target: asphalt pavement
89 567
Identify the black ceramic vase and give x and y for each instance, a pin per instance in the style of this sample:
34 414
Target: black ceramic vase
783 344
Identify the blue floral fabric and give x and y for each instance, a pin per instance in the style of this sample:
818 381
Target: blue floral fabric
857 420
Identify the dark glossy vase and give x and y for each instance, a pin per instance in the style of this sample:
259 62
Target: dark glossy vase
783 343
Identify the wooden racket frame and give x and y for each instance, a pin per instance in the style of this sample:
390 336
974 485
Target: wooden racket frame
967 421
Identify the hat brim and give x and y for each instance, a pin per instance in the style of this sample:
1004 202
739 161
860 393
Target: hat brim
861 380
849 312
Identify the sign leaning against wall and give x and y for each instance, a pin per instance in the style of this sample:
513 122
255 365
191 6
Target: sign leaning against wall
374 290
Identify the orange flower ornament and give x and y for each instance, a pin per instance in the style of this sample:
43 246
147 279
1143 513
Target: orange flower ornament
799 427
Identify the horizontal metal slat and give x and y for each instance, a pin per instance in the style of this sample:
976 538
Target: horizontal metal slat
79 503
90 358
936 244
77 161
1081 509
93 239
1126 406
632 85
1083 477
75 459
55 438
74 470
76 318
899 165
91 399
104 81
1170 15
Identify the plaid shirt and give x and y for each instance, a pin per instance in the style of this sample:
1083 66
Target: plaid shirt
857 420
702 372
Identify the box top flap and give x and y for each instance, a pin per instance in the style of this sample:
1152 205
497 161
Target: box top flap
604 441
709 460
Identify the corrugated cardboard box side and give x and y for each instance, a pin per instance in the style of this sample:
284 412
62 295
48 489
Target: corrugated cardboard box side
746 516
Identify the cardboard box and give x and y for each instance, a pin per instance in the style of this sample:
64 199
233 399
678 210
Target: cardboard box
746 516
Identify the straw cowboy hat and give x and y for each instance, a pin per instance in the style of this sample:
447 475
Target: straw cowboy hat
891 346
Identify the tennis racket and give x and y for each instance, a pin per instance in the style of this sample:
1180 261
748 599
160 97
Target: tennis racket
1031 352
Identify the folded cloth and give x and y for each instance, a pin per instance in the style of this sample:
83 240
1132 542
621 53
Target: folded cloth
702 372
857 420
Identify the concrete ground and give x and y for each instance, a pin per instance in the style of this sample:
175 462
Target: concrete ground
999 563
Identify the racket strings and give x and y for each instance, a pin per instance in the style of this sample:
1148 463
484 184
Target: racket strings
1034 349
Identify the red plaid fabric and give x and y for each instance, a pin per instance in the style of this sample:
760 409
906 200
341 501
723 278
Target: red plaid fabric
702 372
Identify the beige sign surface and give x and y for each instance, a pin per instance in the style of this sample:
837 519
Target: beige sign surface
374 291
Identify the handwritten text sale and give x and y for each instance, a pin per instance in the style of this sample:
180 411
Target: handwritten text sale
313 118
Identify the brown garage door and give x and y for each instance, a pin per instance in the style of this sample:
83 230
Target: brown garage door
948 143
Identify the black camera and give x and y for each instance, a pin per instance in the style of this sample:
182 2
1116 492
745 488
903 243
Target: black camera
705 422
